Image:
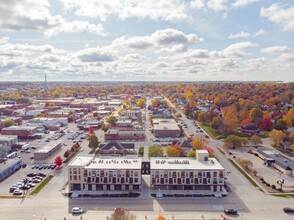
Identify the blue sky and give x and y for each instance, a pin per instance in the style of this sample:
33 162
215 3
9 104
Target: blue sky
151 40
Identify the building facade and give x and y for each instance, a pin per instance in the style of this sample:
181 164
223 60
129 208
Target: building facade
104 174
21 132
201 174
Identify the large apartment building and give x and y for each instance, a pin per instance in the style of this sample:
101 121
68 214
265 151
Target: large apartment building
201 174
102 173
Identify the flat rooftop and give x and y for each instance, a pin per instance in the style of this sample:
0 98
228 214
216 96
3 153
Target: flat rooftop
8 163
7 137
179 163
89 162
165 124
27 128
48 147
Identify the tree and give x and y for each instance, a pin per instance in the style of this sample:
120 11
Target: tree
180 149
276 137
281 125
292 148
171 152
58 161
154 103
188 95
233 141
160 217
95 114
111 119
266 124
255 140
122 214
8 123
191 153
93 142
140 102
199 142
247 164
155 151
91 130
256 115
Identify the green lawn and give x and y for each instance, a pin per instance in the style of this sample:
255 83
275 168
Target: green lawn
41 185
210 131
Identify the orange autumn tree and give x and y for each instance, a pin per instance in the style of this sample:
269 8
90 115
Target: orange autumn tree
160 217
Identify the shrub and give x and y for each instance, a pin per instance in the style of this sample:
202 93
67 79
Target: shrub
274 186
261 179
268 184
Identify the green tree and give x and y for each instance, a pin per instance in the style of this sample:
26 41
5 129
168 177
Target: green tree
255 140
155 151
171 152
8 123
140 102
93 142
233 141
256 115
281 125
191 153
111 119
276 137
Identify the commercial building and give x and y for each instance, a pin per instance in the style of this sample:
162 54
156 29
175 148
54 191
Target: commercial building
205 175
22 132
8 140
116 148
51 123
114 134
47 150
8 167
166 128
98 174
277 161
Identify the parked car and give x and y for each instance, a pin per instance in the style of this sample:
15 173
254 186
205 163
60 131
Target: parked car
32 157
17 192
288 210
77 210
31 174
34 147
230 212
24 165
36 181
41 174
12 189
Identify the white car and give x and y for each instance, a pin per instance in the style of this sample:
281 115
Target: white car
77 210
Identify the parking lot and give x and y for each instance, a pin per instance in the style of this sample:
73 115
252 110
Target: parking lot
37 166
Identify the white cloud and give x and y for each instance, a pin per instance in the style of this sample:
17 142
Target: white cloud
25 14
74 27
217 5
279 15
197 4
35 15
167 39
95 55
276 49
243 3
167 10
239 35
260 32
4 40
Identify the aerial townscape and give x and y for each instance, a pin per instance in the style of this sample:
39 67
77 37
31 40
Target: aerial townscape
147 110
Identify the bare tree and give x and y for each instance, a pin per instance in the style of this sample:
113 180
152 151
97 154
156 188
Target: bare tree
122 214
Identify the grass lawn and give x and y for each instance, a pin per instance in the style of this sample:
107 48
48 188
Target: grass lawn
41 186
210 131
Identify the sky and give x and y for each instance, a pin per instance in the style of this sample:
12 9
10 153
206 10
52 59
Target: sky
147 40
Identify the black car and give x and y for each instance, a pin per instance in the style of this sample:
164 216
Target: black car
31 174
230 212
24 165
288 210
41 174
